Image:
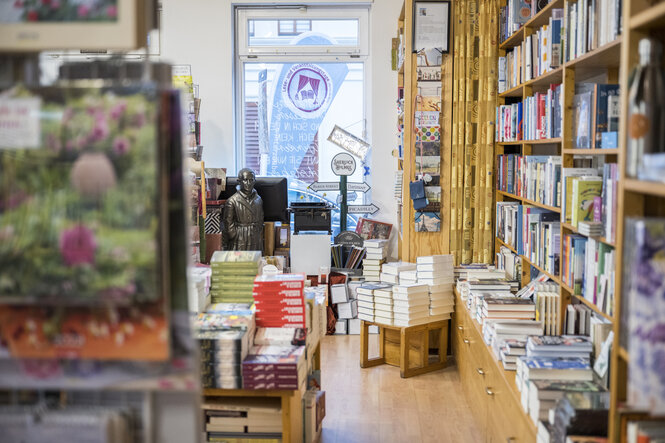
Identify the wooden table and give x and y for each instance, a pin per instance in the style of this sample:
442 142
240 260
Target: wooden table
404 346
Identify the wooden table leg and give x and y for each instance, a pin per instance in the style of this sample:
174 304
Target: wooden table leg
365 361
404 353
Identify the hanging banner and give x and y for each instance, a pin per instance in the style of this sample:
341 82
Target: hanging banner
303 93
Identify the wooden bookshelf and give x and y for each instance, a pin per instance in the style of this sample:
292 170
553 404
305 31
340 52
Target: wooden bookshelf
540 19
635 198
571 228
591 151
593 307
529 202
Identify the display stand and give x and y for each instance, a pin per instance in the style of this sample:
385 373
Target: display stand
402 346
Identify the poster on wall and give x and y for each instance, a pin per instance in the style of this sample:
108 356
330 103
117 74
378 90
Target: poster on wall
431 26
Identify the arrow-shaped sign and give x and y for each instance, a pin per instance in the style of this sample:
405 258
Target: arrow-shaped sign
334 186
324 186
363 209
358 187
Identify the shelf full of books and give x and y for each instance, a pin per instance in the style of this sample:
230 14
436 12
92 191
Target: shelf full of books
559 181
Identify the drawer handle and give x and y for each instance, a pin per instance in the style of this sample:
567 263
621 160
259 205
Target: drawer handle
460 328
480 371
488 391
466 340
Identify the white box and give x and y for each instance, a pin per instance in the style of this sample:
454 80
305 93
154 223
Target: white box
347 310
339 293
309 253
354 326
340 327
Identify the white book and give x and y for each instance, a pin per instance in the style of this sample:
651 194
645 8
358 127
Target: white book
383 293
373 262
367 306
406 323
380 258
436 281
411 310
384 321
439 317
428 259
409 275
385 303
411 298
389 278
442 310
366 311
410 304
437 267
384 310
394 268
443 277
366 317
366 298
416 288
405 281
439 305
443 287
368 267
375 244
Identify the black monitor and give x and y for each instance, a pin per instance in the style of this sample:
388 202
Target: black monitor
274 192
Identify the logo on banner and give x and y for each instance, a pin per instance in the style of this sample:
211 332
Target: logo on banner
307 90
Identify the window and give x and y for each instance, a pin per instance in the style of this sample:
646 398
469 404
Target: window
298 74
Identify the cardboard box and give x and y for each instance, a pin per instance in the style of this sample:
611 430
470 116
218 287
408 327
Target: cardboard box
354 326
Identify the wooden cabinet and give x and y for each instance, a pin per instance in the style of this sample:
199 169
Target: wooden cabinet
491 391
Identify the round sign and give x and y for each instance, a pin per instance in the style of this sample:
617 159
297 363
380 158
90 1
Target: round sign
307 90
343 164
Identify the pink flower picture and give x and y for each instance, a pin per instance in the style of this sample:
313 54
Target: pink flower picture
78 246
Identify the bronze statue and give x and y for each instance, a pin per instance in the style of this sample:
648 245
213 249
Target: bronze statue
243 216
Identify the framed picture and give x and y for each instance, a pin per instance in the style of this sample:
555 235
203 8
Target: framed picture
372 229
89 25
431 26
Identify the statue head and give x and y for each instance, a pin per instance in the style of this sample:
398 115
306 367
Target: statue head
246 180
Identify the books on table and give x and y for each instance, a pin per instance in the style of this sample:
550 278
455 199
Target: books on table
559 346
547 368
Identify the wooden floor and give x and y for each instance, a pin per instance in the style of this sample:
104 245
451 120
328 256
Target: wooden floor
376 405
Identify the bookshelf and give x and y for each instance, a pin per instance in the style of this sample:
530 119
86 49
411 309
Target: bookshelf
411 243
641 19
599 65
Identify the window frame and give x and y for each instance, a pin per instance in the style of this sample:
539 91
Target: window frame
301 54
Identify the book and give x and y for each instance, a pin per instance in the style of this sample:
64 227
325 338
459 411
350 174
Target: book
584 190
539 368
492 303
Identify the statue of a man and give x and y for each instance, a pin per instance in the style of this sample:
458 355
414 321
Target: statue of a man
243 216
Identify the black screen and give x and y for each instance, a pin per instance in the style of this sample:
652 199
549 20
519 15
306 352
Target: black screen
274 192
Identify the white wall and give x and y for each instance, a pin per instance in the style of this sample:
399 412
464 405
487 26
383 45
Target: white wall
199 33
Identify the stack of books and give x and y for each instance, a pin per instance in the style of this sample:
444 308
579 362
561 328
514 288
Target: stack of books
437 272
365 295
507 339
590 228
225 335
498 307
274 367
478 271
375 255
408 277
242 418
280 301
565 346
410 305
383 305
496 285
233 274
390 271
543 395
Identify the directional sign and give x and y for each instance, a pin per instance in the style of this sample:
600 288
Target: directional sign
324 186
334 186
363 209
358 187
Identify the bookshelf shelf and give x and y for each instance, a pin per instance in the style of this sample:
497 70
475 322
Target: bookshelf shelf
543 141
653 17
591 151
644 187
606 56
592 306
529 202
538 20
503 243
623 353
544 80
572 228
552 277
513 92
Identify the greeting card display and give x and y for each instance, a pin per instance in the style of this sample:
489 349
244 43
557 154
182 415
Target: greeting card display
81 225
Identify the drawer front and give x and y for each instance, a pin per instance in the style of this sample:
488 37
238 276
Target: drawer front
507 422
